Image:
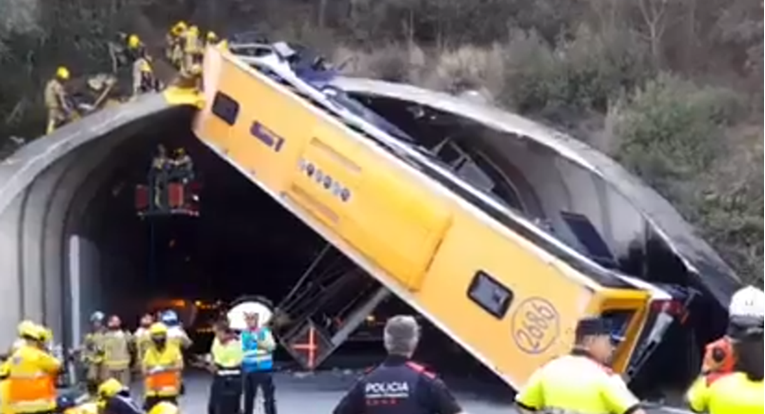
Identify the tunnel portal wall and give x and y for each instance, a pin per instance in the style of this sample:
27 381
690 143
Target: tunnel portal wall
45 188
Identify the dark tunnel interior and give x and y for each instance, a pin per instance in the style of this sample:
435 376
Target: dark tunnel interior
242 243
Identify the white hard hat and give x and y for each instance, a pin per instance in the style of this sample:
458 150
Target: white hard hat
748 302
237 314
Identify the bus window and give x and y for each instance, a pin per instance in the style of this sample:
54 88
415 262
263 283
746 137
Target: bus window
489 294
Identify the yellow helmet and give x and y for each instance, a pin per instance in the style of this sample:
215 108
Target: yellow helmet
211 36
194 30
179 27
62 73
46 335
164 408
110 388
144 66
158 329
28 329
133 42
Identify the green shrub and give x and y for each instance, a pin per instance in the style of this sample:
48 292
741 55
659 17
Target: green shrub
672 129
583 73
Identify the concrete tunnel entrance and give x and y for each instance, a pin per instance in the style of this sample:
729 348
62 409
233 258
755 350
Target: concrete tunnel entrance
242 243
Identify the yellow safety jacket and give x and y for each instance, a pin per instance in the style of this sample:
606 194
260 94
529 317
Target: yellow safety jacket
93 348
162 371
117 349
55 95
732 393
32 380
228 355
575 383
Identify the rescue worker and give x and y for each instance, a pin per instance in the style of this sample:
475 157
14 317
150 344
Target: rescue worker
92 353
747 308
142 338
135 47
174 44
32 376
258 364
57 102
192 49
159 177
162 365
114 398
739 392
24 326
183 166
144 80
117 350
226 366
176 335
580 382
399 385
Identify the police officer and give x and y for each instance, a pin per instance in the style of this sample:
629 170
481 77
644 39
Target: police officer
258 345
226 365
580 382
399 385
738 392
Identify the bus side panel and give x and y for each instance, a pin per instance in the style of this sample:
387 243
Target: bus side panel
385 218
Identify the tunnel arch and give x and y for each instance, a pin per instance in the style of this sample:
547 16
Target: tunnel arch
49 185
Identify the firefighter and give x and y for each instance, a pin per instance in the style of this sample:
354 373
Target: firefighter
183 166
192 49
117 346
580 382
258 364
24 326
212 39
159 177
738 392
413 389
135 47
746 309
144 80
161 366
92 353
57 102
174 46
114 398
31 375
142 338
226 366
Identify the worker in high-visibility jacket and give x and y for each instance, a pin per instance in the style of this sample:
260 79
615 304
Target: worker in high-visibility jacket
746 309
741 391
118 345
580 382
225 362
258 364
5 367
32 376
161 367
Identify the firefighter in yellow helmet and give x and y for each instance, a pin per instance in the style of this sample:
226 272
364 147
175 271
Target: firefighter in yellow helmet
161 366
23 327
192 48
165 408
31 375
144 80
173 46
92 352
114 398
57 101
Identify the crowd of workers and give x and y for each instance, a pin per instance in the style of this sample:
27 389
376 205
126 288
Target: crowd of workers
184 50
730 381
165 169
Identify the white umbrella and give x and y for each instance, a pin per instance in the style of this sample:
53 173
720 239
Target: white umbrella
236 316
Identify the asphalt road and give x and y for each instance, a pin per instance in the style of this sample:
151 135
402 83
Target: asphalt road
319 393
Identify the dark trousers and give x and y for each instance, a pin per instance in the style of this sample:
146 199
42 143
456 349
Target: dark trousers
225 393
150 402
265 381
